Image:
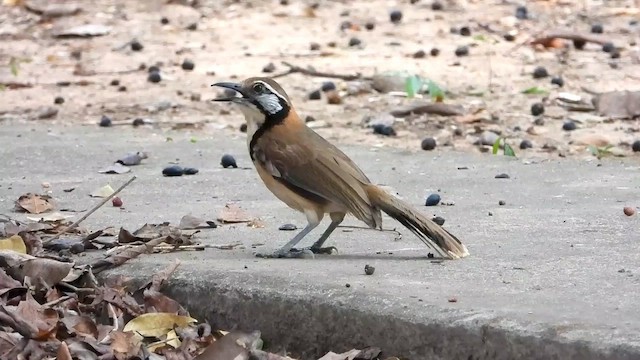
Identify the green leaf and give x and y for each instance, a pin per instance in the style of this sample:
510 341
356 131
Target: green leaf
479 37
437 94
496 146
534 91
412 85
14 66
508 150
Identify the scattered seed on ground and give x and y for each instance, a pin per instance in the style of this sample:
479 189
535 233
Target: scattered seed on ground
419 54
115 82
435 52
608 47
315 95
173 170
428 143
395 16
522 12
438 220
154 77
228 161
636 146
243 128
116 202
328 86
369 270
629 211
105 121
579 44
190 171
136 45
462 51
465 31
569 126
188 65
314 46
164 20
385 130
525 144
501 202
269 68
502 176
436 6
540 72
557 80
287 227
537 109
137 122
354 41
432 200
58 100
597 29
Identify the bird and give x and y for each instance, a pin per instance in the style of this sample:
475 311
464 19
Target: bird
314 177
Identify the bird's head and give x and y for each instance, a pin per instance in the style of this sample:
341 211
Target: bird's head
259 97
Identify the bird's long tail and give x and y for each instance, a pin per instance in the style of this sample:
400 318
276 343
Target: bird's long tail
432 234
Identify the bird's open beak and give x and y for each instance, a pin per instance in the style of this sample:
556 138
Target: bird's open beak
232 86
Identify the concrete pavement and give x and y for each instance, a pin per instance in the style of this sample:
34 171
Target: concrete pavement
553 273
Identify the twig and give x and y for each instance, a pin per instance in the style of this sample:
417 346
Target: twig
56 301
86 215
310 72
570 35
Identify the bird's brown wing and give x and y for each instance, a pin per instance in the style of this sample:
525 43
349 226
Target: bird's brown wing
309 162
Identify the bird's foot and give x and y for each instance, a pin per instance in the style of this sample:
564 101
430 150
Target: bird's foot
290 254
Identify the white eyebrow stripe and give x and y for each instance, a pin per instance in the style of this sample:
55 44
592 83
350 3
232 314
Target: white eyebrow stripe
273 91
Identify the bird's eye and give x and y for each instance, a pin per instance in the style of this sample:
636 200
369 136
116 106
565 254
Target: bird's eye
258 88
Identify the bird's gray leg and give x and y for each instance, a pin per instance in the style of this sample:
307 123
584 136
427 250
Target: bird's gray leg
287 251
316 248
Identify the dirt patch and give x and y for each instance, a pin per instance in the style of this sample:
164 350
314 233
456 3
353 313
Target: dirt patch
108 74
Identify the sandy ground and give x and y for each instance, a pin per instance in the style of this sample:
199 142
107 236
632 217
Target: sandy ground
236 39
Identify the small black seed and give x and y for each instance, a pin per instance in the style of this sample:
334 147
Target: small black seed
192 27
385 130
153 68
309 119
636 146
188 65
288 227
428 143
122 88
522 13
173 170
58 100
137 122
557 80
347 285
465 31
540 72
136 45
537 109
314 46
115 82
435 52
579 44
395 16
501 202
354 41
269 68
105 121
284 2
328 86
369 26
345 25
509 37
369 270
190 171
243 128
538 121
430 256
228 161
432 200
164 20
436 6
525 144
419 54
438 220
462 50
597 29
502 176
569 126
315 95
608 47
615 54
154 77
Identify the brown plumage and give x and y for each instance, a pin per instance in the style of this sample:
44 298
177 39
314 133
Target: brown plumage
313 176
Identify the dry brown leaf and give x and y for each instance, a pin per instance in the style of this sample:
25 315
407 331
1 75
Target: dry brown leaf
158 302
189 222
14 243
125 345
232 213
234 345
157 324
44 320
63 352
45 270
34 203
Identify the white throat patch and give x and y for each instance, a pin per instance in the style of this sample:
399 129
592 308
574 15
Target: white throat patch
270 103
